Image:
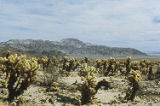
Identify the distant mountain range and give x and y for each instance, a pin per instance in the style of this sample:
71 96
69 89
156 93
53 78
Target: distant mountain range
70 47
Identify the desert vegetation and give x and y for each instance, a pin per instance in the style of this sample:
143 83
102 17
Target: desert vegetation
43 80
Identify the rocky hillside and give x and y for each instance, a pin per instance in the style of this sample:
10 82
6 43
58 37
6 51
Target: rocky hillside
70 47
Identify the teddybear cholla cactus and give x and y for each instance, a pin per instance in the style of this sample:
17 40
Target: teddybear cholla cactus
85 70
45 62
110 67
69 64
135 65
20 73
134 79
128 64
88 87
86 59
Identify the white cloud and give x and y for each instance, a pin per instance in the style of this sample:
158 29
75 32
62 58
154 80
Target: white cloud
109 22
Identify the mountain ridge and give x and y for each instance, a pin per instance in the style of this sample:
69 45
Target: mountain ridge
70 46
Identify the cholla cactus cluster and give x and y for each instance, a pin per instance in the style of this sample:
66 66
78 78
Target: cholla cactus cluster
111 63
88 87
85 70
20 73
69 64
146 68
101 65
134 78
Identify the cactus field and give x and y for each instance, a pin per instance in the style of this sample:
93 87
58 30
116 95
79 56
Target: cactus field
38 80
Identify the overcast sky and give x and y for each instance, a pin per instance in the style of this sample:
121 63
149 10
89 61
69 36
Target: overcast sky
121 23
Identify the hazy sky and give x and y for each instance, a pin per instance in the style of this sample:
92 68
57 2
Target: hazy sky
121 23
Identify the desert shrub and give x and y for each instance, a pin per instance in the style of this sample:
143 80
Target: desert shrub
50 75
20 73
49 70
